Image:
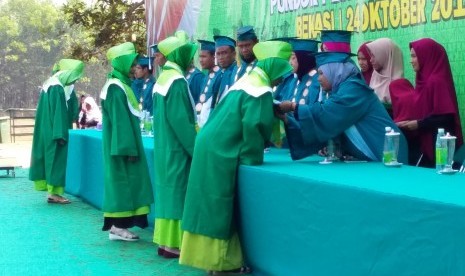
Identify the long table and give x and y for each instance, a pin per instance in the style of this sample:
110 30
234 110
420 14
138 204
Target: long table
84 170
305 218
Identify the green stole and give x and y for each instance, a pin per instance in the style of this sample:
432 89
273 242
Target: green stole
133 104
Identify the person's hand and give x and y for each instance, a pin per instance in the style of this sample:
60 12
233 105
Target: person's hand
408 125
323 152
287 106
132 158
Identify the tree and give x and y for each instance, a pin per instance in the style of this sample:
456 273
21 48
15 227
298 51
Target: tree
30 41
34 34
108 23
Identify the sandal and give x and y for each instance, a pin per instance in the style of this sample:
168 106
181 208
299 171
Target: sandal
57 199
238 271
167 254
170 253
122 234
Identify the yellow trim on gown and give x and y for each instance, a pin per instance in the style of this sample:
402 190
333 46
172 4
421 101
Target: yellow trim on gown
211 254
168 233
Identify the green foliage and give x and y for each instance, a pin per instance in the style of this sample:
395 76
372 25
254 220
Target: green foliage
107 22
29 45
34 34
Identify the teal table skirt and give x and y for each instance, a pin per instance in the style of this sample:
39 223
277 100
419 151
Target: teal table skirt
84 171
305 218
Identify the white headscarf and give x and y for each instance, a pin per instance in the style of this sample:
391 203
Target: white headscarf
389 56
94 113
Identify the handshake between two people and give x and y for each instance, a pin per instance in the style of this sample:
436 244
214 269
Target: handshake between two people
281 108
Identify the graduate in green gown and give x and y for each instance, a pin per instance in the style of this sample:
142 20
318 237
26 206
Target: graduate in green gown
284 90
127 187
159 59
352 113
239 127
71 98
194 76
73 105
174 130
53 120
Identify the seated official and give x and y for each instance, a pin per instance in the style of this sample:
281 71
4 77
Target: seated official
352 113
90 115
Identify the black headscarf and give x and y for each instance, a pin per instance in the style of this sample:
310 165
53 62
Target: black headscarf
306 63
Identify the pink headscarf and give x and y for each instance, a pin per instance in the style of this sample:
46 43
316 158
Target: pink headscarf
364 49
434 85
434 93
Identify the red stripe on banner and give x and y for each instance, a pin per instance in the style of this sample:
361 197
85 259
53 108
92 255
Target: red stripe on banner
170 13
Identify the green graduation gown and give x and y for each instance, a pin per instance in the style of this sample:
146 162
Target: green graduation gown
174 130
234 134
48 157
73 105
127 184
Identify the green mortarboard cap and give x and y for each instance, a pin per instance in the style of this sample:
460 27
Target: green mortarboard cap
246 33
270 49
123 49
154 48
182 35
336 36
144 61
169 44
221 40
331 57
308 45
206 45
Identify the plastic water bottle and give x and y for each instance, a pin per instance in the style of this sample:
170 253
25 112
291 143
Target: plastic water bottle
441 151
449 142
388 151
330 150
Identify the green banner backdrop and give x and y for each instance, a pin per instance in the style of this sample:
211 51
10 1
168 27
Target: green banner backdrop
401 20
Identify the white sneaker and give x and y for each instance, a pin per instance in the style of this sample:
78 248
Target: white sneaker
122 234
